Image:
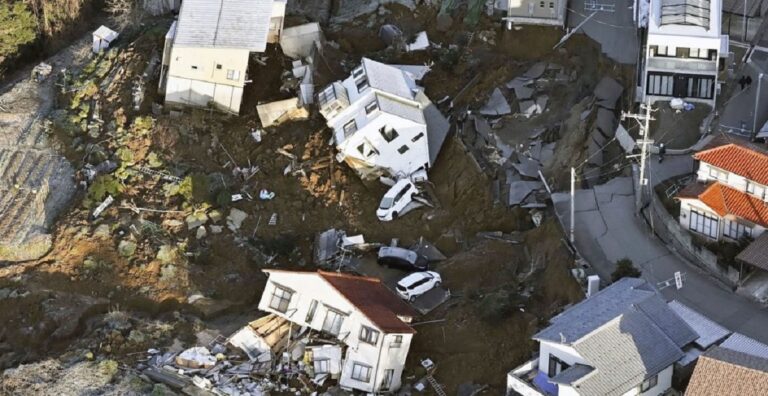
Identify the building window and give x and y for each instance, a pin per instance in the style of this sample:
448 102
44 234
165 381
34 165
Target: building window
386 381
649 383
556 366
349 128
333 321
397 342
755 189
389 134
361 372
660 84
551 5
402 149
233 75
699 53
311 312
218 66
718 174
369 335
362 83
366 149
281 297
659 50
194 67
702 87
417 137
736 230
371 107
358 72
704 224
322 366
682 52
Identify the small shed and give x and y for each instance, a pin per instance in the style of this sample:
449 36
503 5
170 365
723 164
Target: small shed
102 38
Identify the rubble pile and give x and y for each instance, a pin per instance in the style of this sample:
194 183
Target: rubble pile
269 354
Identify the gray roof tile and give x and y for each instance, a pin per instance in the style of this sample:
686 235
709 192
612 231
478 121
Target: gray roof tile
571 374
709 332
224 24
741 343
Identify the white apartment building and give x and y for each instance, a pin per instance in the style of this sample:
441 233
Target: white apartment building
383 124
728 199
206 55
360 312
683 50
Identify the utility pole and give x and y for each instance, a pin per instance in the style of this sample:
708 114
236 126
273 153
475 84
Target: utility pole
644 120
757 105
573 202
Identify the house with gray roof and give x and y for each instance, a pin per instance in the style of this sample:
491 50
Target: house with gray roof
623 340
383 123
206 54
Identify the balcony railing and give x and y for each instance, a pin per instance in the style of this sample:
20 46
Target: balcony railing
683 65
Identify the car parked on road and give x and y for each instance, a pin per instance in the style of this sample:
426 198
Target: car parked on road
417 284
405 259
396 199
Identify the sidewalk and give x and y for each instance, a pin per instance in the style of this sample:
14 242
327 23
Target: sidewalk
608 230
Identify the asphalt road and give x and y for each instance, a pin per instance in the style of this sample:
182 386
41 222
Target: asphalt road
607 229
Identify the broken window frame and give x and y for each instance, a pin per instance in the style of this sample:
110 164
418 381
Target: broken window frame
361 372
277 305
388 134
350 127
649 383
386 380
311 311
336 322
371 107
322 366
369 335
362 84
397 342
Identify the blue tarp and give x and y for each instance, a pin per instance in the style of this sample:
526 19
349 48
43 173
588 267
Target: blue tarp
542 382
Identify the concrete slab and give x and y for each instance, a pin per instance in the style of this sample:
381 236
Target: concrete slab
607 92
523 92
519 82
541 103
527 167
497 104
430 300
527 107
614 31
520 190
536 70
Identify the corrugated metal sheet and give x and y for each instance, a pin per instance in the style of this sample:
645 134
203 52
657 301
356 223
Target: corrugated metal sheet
741 343
709 332
224 24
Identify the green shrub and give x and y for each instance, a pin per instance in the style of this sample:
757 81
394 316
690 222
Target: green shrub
624 269
17 28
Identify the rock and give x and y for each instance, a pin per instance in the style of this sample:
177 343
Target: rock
126 248
235 219
216 229
215 215
102 231
167 254
196 220
201 232
5 293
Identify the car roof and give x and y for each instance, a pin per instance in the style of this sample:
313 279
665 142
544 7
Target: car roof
416 276
403 253
397 187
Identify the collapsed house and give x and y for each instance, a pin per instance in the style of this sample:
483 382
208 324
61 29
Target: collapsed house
366 318
534 12
206 54
383 123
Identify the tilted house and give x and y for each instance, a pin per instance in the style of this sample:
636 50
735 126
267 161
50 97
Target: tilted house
623 340
728 199
383 123
360 312
683 49
205 60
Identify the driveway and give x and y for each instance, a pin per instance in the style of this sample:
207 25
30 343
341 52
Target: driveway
607 230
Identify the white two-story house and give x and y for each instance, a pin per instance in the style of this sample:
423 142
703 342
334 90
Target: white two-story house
360 312
728 199
535 12
683 49
383 123
622 341
206 55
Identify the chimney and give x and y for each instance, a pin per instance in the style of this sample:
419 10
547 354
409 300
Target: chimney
593 285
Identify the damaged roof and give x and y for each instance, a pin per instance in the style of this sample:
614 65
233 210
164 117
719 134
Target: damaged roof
374 300
224 24
389 79
756 253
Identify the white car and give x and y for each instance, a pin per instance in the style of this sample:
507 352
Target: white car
396 199
417 284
